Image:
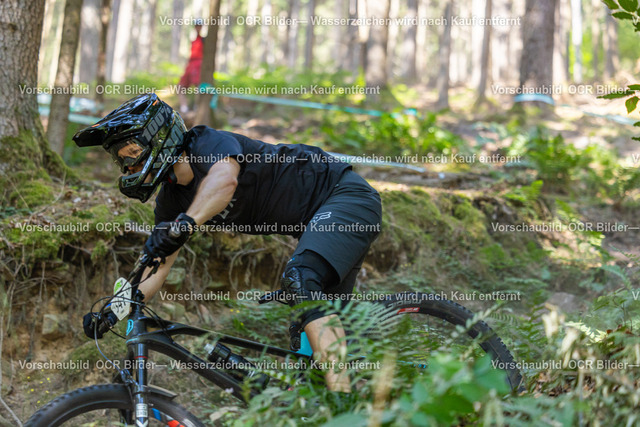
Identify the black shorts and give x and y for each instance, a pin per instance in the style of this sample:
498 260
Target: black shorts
343 228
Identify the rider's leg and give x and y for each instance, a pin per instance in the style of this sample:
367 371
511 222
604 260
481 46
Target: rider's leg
304 279
326 337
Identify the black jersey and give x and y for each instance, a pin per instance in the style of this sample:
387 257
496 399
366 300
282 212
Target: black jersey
279 186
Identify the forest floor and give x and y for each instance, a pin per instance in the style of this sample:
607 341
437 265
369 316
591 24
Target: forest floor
25 389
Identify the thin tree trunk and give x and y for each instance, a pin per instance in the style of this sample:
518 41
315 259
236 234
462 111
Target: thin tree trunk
409 48
204 113
47 27
228 44
111 37
310 36
19 119
147 34
122 39
560 53
58 18
596 38
536 64
500 43
486 52
101 77
445 55
176 31
477 41
252 10
393 33
576 39
611 47
363 35
376 73
59 114
426 73
133 44
350 58
265 35
89 39
292 38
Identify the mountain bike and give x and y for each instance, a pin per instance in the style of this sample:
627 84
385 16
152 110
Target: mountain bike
131 400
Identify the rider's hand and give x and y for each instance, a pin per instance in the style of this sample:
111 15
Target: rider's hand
90 319
168 237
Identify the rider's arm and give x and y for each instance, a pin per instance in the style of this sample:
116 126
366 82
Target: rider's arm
215 191
150 286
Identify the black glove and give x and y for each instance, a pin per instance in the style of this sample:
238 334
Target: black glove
168 237
90 319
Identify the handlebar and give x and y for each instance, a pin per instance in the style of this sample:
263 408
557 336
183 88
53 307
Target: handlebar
106 323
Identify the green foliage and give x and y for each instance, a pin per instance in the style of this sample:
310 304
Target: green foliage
163 76
626 10
283 82
389 135
558 163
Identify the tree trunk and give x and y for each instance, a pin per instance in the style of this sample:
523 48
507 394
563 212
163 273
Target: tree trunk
596 38
536 64
47 28
58 17
409 48
89 39
252 10
445 55
486 52
133 43
120 61
392 36
310 36
59 114
111 37
500 71
292 35
176 31
350 58
363 35
147 34
228 43
265 35
22 140
204 113
101 77
560 52
376 73
477 41
576 39
610 47
423 33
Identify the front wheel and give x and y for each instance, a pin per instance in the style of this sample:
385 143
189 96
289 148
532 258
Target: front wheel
108 405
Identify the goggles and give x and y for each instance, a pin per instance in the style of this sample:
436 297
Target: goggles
128 154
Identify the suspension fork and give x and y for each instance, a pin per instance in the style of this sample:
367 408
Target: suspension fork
139 357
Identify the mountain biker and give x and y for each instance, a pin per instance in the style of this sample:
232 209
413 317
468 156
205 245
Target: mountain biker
221 178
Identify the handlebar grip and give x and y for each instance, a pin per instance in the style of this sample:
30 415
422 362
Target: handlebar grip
107 323
174 231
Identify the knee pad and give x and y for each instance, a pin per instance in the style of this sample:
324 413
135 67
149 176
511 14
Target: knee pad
304 279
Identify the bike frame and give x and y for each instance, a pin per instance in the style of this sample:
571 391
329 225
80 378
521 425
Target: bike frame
140 341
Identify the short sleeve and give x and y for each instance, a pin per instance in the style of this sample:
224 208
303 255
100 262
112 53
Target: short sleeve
210 147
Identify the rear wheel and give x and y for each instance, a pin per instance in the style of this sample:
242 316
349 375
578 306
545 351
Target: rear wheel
108 405
430 322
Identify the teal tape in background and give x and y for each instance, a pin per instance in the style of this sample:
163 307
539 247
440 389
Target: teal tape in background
537 97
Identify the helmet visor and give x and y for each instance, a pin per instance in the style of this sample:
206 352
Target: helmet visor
128 154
